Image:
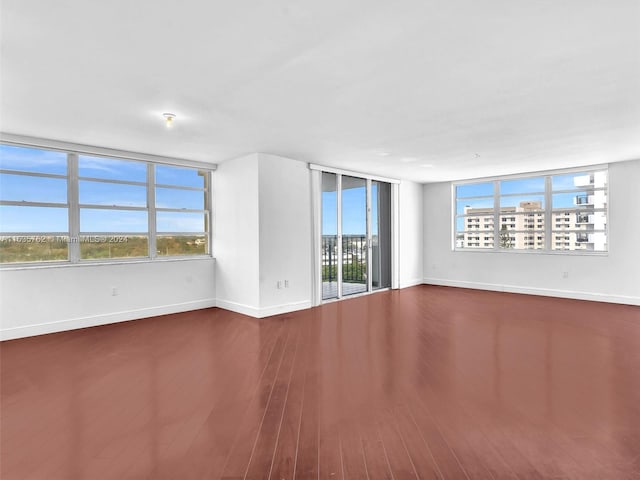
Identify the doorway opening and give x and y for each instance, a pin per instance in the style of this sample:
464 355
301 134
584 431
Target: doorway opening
356 235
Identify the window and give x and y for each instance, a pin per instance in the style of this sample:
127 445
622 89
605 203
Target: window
474 203
34 210
182 216
113 208
64 206
552 212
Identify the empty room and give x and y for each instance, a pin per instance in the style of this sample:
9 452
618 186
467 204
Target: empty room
319 240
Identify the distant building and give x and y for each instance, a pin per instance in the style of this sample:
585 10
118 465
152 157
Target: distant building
573 227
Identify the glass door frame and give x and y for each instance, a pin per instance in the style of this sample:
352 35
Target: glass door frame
316 182
368 243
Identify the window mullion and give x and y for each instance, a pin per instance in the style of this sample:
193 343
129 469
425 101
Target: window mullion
548 217
74 208
151 210
496 215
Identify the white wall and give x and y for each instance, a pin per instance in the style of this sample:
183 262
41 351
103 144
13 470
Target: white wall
236 234
411 225
35 301
263 234
614 277
285 234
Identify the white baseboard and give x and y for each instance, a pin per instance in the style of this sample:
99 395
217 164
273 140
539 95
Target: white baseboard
262 312
411 283
547 292
284 308
103 319
238 308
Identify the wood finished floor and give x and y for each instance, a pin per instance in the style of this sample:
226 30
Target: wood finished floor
425 382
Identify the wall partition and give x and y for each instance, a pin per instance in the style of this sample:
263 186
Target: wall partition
354 234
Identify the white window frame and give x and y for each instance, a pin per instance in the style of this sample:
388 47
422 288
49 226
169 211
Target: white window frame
73 205
549 229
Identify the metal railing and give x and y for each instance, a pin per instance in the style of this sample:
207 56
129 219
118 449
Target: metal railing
354 258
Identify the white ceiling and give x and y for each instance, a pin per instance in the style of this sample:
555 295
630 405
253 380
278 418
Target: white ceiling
450 89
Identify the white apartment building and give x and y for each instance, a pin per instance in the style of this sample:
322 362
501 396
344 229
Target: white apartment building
581 226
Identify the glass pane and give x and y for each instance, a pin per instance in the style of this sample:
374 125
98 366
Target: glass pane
113 246
479 206
580 199
579 241
180 222
380 235
112 169
329 236
176 198
525 203
474 190
112 194
186 177
354 235
579 180
522 185
36 248
182 245
33 219
27 159
101 220
22 188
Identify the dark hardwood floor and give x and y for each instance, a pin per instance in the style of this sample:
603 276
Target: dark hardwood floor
425 382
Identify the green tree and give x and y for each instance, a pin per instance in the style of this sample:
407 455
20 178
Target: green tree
505 238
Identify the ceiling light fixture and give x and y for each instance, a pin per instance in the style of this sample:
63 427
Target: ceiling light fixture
168 118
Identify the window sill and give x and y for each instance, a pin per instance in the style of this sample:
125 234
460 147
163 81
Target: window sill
573 253
94 263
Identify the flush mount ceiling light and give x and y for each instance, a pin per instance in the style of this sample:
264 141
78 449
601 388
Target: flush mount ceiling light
168 118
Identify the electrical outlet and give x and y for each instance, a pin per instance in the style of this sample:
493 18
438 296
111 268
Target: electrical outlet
565 274
114 291
279 284
286 284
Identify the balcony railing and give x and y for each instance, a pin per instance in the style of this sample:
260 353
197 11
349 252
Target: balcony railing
354 258
582 199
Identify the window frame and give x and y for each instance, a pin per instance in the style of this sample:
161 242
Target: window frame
73 205
549 231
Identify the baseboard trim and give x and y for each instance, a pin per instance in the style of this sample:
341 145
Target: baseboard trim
103 319
284 308
262 312
547 292
238 308
411 283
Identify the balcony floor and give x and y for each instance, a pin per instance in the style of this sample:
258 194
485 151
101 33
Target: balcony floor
330 289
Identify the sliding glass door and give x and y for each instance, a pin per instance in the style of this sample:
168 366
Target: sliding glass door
380 235
356 235
330 249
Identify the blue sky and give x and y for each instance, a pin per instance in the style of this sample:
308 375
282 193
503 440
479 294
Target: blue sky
354 213
54 190
480 195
